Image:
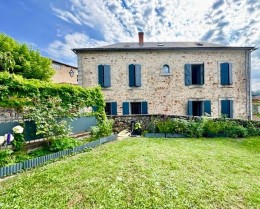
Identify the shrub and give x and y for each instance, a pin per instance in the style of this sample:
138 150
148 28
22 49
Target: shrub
252 129
151 126
6 157
194 129
165 126
179 126
103 128
63 143
234 130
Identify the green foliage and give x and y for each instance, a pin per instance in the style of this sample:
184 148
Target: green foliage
252 129
234 130
165 126
137 126
20 59
6 157
46 117
16 92
104 128
63 143
179 126
194 129
151 126
19 142
212 127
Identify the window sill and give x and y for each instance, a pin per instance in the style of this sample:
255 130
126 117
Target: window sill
107 88
226 86
166 74
135 88
195 86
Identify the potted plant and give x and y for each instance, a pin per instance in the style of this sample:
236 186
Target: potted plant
138 129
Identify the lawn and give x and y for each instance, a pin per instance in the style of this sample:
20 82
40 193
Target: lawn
145 173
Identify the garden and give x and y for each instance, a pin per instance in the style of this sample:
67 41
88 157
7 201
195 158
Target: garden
197 162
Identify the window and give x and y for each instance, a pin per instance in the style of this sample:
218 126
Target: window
104 77
226 73
135 108
194 74
227 108
166 70
199 107
111 108
135 75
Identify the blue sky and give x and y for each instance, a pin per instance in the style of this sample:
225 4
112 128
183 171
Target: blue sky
55 26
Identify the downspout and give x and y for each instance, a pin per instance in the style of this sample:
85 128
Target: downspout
248 85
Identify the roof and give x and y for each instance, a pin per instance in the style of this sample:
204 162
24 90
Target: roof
135 46
61 63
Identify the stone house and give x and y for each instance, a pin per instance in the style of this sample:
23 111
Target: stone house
177 78
64 73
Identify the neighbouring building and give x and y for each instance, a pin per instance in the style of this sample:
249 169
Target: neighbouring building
179 78
64 73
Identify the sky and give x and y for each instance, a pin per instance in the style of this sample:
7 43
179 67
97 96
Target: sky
54 27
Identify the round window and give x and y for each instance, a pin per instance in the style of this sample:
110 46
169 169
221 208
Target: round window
166 69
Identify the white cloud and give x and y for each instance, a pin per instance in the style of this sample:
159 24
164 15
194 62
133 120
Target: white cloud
225 22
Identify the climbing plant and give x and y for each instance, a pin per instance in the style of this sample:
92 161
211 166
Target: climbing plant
18 93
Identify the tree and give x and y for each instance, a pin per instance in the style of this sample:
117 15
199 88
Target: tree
20 59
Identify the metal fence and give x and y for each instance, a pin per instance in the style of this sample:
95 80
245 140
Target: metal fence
15 168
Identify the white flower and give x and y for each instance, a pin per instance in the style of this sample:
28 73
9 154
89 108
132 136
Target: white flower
11 137
2 139
18 129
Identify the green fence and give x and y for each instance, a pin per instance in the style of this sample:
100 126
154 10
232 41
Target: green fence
78 125
15 168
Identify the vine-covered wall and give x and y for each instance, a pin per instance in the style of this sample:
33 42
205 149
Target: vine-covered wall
17 92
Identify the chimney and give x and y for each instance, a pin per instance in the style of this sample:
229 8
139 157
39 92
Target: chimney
141 38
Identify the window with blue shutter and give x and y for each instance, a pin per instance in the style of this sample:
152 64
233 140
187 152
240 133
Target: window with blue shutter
104 76
227 108
125 108
135 108
111 108
226 73
194 74
207 107
135 75
144 108
199 108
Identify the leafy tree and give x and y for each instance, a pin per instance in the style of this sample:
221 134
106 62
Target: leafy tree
20 59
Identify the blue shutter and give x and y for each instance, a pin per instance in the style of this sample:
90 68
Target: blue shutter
100 75
231 109
125 108
113 108
190 112
224 73
201 74
144 108
107 76
207 107
131 75
138 75
187 74
230 79
225 108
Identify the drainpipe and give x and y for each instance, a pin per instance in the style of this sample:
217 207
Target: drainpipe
248 85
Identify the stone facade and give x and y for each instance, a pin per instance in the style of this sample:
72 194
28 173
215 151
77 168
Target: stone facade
168 94
62 73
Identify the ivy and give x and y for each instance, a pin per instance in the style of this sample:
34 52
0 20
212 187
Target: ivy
18 93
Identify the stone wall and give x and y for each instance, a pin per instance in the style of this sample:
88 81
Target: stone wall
62 74
168 94
124 122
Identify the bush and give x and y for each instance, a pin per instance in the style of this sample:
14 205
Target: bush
165 126
151 126
6 157
59 144
234 130
252 129
194 129
103 128
179 126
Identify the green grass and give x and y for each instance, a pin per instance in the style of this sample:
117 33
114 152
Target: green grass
145 173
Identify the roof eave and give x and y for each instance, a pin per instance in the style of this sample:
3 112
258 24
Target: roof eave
78 50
